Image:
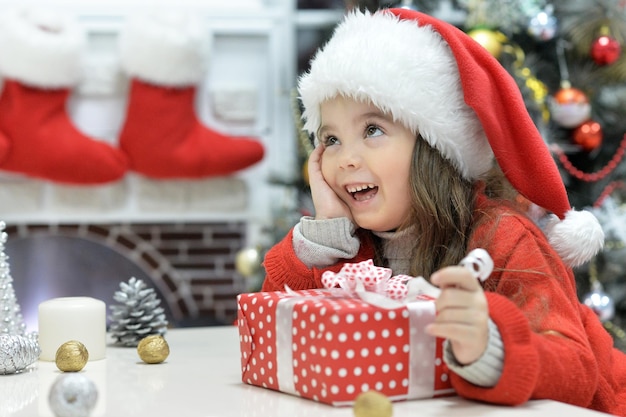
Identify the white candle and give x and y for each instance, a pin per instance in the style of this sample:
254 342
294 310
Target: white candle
72 318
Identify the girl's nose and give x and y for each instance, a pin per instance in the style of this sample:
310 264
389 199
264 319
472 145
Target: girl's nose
349 157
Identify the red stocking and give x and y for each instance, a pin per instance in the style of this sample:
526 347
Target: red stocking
162 136
40 61
45 143
164 139
4 148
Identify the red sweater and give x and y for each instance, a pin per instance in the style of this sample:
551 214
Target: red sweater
554 346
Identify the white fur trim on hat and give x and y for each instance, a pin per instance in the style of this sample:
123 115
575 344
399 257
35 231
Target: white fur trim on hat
164 48
577 238
419 86
41 48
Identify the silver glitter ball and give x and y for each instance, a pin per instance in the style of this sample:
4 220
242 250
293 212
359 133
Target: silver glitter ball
17 352
72 395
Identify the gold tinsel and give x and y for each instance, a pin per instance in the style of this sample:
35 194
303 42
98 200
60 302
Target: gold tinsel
538 90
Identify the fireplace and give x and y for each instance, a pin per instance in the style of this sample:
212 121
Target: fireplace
191 265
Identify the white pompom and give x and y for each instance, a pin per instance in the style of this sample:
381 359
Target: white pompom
577 238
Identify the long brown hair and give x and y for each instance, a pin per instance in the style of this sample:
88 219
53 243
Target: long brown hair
443 209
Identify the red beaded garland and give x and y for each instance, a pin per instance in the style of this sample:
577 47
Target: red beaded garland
608 190
596 176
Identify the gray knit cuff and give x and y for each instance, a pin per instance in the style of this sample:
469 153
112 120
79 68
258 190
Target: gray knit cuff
486 370
322 243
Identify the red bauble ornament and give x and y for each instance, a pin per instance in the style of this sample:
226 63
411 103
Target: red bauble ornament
605 50
588 135
570 107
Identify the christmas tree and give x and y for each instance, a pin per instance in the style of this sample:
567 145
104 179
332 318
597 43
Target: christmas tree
568 61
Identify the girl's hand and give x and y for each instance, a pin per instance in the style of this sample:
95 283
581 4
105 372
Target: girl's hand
327 204
462 313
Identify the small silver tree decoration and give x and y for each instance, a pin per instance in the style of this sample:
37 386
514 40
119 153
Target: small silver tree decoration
18 349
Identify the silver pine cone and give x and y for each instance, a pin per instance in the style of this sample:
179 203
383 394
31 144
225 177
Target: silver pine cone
17 352
137 315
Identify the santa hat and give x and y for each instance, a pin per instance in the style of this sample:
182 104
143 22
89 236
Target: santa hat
440 83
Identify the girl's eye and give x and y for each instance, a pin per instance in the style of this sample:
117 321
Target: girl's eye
330 140
373 131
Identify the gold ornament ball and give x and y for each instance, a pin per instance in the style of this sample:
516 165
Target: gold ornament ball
372 404
488 39
71 356
305 172
248 261
153 349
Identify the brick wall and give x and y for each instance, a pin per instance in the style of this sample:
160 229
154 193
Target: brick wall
191 265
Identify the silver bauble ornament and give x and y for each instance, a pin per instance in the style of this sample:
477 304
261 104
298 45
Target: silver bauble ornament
72 395
600 302
543 26
17 352
407 4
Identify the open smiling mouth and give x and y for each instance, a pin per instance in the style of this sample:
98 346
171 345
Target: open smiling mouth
362 192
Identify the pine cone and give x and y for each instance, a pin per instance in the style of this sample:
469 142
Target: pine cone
17 352
138 315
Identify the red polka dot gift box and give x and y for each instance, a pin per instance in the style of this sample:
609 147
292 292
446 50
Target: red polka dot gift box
329 345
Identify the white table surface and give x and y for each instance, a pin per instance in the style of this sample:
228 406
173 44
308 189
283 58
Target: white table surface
202 378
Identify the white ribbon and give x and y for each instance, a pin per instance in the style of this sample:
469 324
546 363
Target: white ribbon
284 339
422 351
376 286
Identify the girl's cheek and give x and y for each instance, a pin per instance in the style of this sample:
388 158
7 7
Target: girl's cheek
327 165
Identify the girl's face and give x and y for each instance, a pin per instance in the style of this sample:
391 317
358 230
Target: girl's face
367 161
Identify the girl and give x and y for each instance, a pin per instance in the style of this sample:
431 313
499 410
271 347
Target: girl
425 149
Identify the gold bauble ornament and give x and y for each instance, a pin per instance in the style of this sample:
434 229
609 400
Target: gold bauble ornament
153 349
489 39
71 356
372 404
248 261
305 172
